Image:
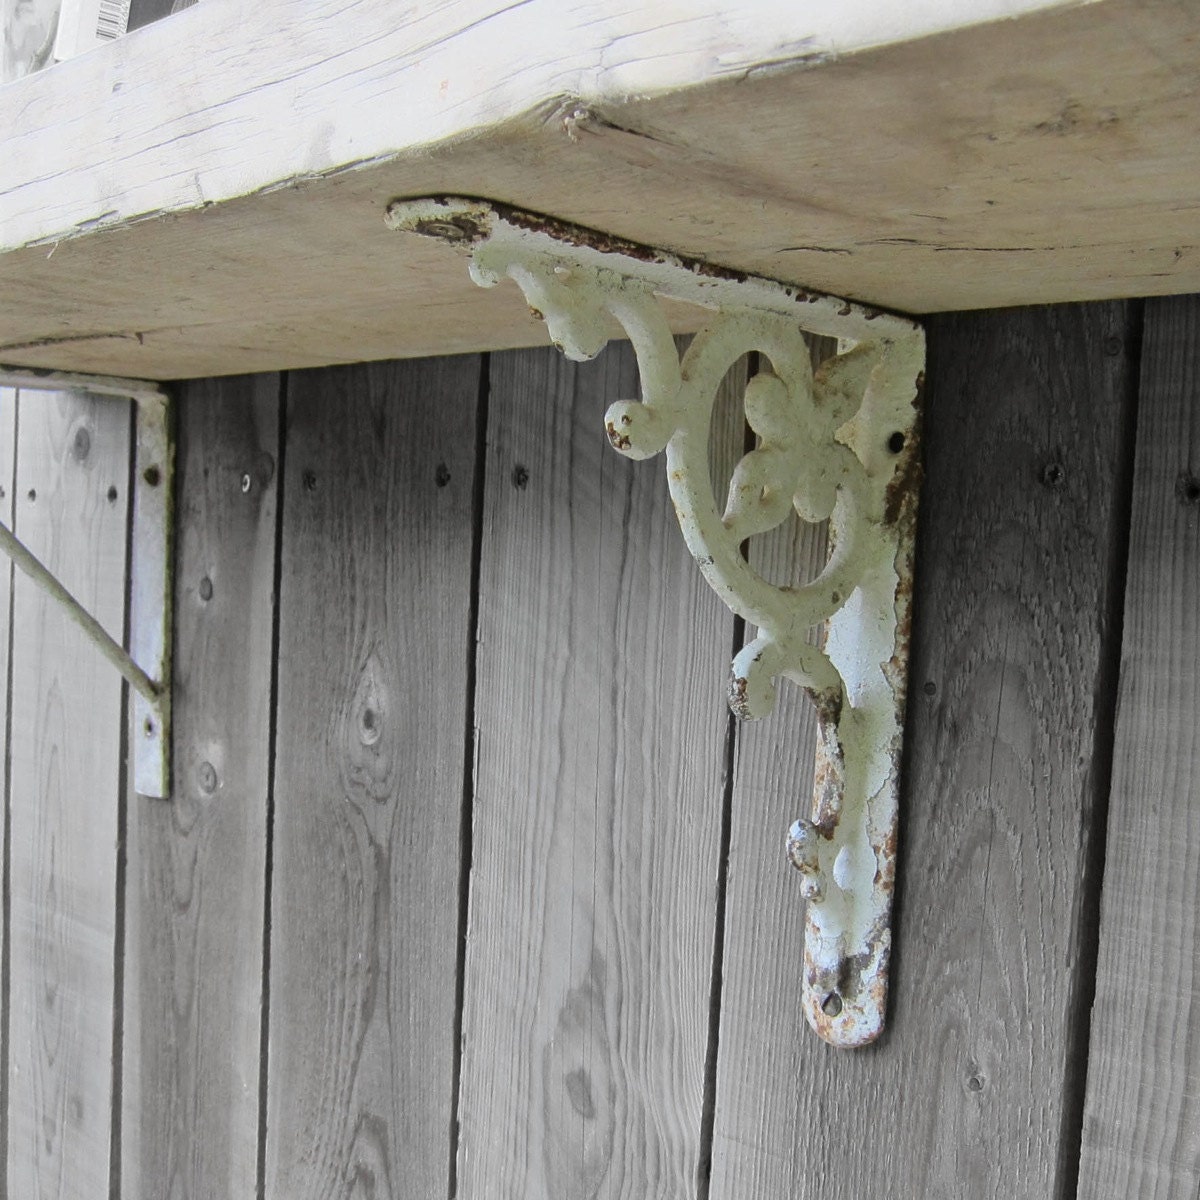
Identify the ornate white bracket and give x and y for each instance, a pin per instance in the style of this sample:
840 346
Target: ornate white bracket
838 445
147 664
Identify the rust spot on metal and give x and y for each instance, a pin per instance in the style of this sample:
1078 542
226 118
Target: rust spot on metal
828 705
574 235
887 872
896 668
738 687
607 243
619 440
906 482
850 973
829 767
902 491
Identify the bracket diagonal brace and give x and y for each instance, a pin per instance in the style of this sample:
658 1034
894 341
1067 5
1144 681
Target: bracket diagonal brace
146 665
840 445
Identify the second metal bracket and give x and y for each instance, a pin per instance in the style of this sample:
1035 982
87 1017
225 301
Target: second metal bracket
147 663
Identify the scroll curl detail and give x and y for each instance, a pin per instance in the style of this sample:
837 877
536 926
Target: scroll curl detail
804 460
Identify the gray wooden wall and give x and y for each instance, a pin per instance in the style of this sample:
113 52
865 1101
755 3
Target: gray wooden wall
470 887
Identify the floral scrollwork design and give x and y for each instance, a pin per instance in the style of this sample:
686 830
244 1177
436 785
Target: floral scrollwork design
799 461
836 444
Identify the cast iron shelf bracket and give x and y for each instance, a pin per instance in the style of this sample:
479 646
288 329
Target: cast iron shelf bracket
838 445
146 665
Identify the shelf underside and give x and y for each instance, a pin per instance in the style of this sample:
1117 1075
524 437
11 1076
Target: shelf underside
163 221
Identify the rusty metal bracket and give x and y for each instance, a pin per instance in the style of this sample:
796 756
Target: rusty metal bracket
838 445
147 664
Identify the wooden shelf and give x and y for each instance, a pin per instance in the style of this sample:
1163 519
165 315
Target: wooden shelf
206 195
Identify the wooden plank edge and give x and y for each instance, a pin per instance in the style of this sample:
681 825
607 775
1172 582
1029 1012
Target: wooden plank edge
462 71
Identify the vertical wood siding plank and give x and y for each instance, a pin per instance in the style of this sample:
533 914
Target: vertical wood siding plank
1142 1113
8 462
196 864
66 745
603 660
373 653
964 1094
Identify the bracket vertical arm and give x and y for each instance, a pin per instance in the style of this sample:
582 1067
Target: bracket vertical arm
150 596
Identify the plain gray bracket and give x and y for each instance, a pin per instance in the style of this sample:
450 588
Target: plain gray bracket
146 665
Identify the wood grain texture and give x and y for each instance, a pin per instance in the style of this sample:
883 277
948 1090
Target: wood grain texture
601 726
1142 1114
197 864
964 1095
65 792
373 655
457 66
1051 157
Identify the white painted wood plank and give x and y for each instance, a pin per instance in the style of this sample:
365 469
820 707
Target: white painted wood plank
315 88
73 473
